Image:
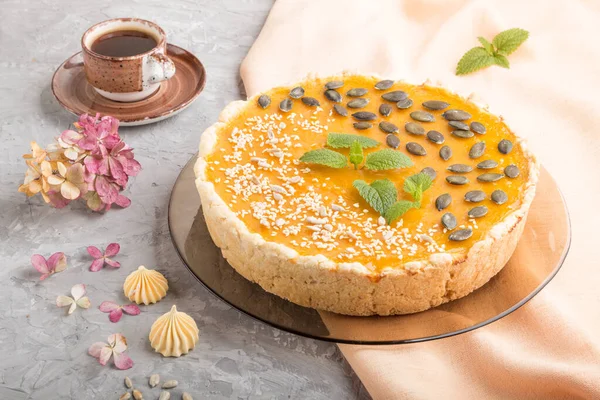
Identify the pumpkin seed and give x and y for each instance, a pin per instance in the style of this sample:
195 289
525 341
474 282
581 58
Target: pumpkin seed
463 134
395 96
404 104
285 105
443 201
154 380
358 103
478 212
296 92
449 221
512 171
170 384
416 149
475 196
333 95
505 146
499 197
393 141
186 396
477 150
460 168
457 180
435 137
385 109
388 127
164 395
478 127
364 116
311 101
125 396
362 125
460 235
461 126
489 177
334 84
414 128
487 164
422 116
340 110
456 115
357 92
429 171
384 84
137 395
445 152
435 104
264 101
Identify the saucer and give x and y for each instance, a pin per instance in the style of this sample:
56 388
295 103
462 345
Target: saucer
75 94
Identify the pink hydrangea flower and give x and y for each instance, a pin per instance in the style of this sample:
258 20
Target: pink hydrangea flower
116 311
56 263
116 346
99 258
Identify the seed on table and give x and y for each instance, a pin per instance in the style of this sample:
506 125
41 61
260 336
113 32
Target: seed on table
478 127
435 137
125 396
296 92
475 196
154 380
499 197
449 221
285 105
445 152
477 150
512 171
456 115
334 84
435 104
443 201
164 395
340 110
478 212
489 177
311 101
461 126
384 84
358 103
422 116
137 395
404 104
357 92
186 396
170 384
505 146
460 235
487 164
385 109
463 134
429 171
457 180
388 127
393 141
333 95
460 168
395 96
362 125
264 101
415 149
414 128
364 116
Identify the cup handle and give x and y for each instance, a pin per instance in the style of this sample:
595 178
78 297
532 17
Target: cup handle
158 68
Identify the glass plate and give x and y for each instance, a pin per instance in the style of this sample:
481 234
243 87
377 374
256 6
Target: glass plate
538 257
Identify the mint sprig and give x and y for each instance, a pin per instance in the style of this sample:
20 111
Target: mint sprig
380 194
494 53
326 157
345 140
387 159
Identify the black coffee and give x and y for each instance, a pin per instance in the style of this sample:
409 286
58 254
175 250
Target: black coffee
123 43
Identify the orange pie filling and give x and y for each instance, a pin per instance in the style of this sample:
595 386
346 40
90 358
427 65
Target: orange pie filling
315 209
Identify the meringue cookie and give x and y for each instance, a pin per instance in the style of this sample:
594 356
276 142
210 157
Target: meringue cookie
145 286
173 334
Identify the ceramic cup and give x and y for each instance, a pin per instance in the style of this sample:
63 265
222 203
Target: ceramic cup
131 78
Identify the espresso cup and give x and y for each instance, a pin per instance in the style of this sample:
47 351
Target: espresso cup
126 78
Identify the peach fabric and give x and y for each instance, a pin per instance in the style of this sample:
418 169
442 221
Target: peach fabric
550 348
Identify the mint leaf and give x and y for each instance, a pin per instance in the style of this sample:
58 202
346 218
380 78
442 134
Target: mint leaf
474 60
501 61
398 209
486 45
379 194
416 184
356 154
325 157
345 140
387 159
508 41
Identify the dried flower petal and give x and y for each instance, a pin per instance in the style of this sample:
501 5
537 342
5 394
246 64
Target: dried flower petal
108 306
117 344
56 263
132 309
94 251
78 299
116 311
111 250
78 291
115 315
